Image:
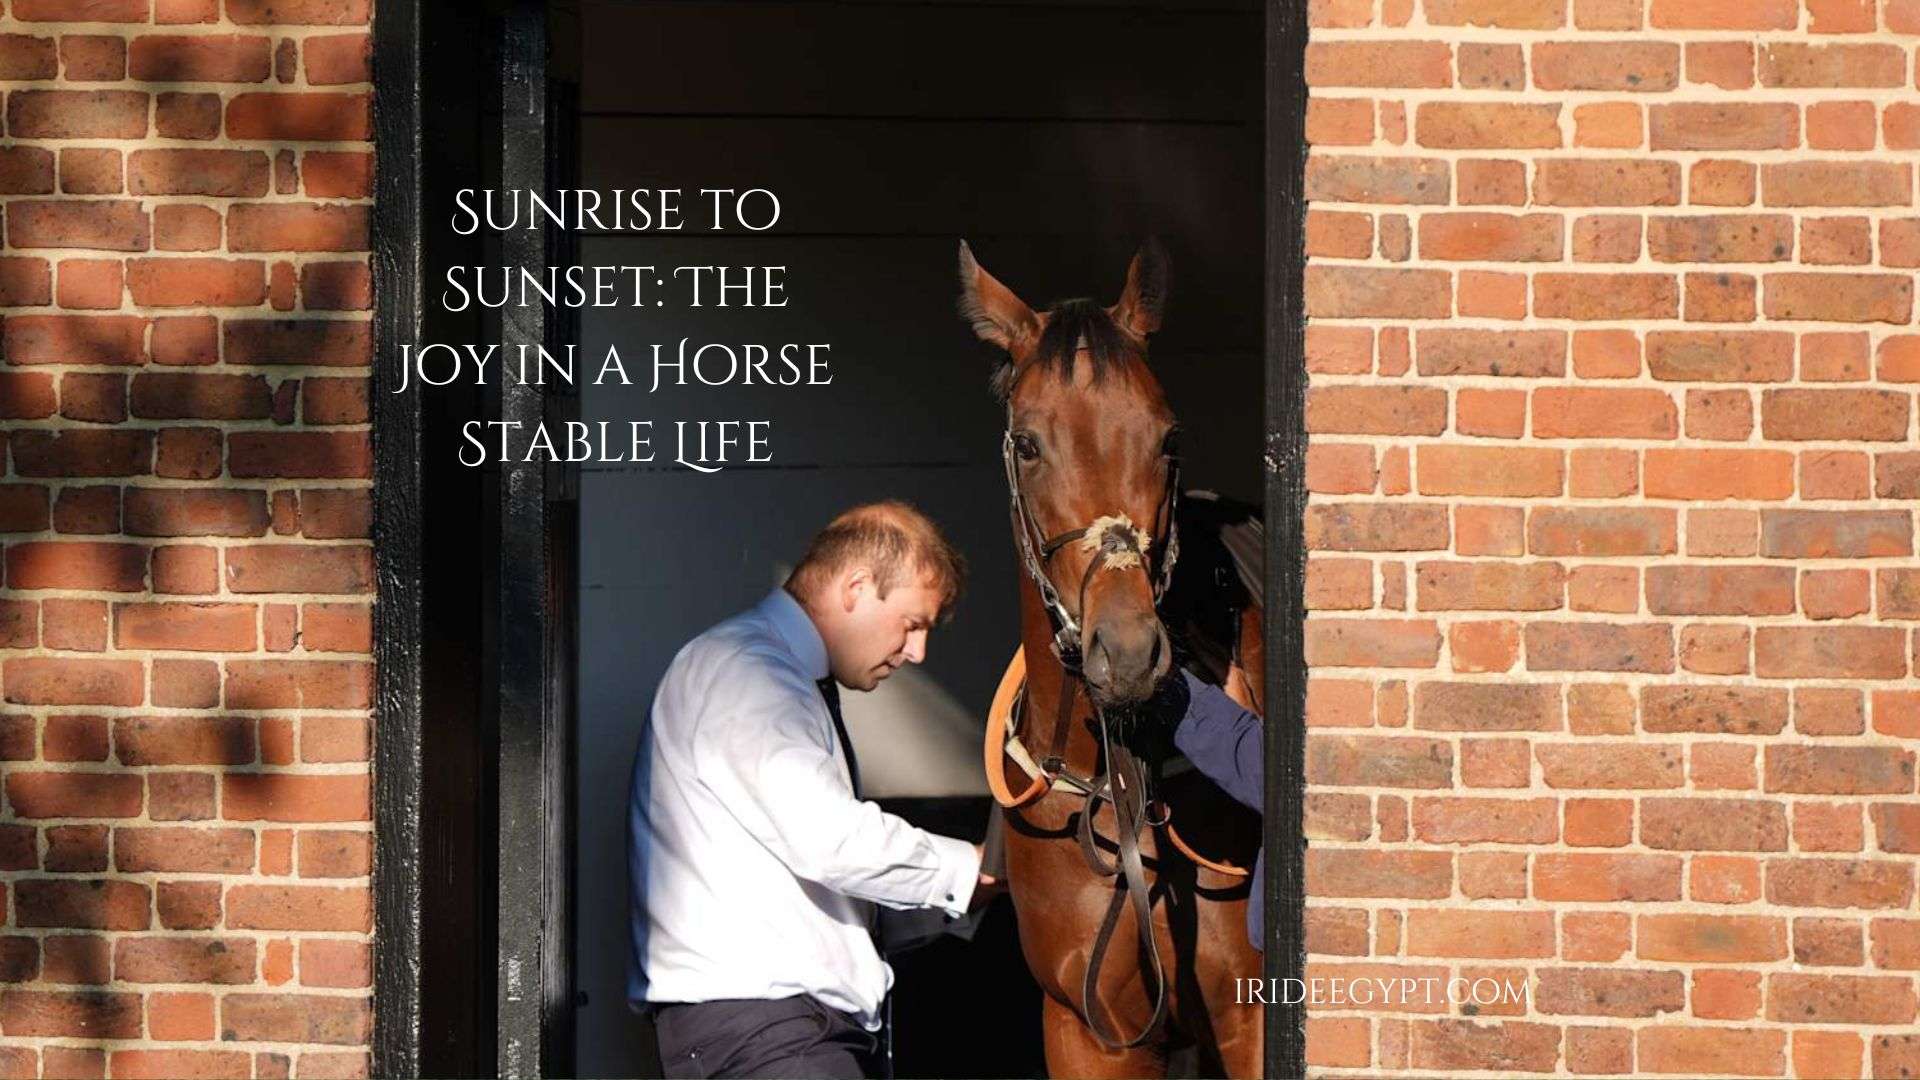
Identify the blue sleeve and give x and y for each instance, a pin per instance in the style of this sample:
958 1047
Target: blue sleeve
1223 741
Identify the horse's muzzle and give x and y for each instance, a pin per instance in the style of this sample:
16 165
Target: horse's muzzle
1125 658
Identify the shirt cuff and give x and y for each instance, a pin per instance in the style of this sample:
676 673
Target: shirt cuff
959 873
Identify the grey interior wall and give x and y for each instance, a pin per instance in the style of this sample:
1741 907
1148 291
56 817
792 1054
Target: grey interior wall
886 141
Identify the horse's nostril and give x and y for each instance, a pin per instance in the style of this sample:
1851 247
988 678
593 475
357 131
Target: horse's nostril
1099 664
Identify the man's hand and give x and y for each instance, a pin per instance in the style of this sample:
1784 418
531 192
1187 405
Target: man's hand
987 887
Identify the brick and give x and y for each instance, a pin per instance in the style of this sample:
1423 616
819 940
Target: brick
184 960
1726 995
300 117
315 342
336 59
186 116
1606 65
1604 992
1454 125
1344 526
1520 353
1490 934
1591 412
1711 709
330 853
1379 64
1484 470
196 282
1836 241
297 1018
1377 410
77 114
1596 877
1724 126
197 172
1492 183
1362 873
1804 64
1836 183
1712 939
1505 14
1496 821
1361 179
1608 125
297 227
98 224
1492 67
1722 183
1724 15
1464 1045
1720 590
230 58
1598 531
90 171
1828 943
1608 296
1835 534
1852 298
344 909
300 12
1713 825
1817 414
1491 237
1720 356
342 174
1743 238
92 905
1844 999
1596 765
298 684
24 170
1839 770
1355 292
1479 706
1587 646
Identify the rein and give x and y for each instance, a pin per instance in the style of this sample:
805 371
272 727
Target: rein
1115 543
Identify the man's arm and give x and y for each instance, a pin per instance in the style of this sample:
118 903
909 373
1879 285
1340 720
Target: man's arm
789 792
1223 741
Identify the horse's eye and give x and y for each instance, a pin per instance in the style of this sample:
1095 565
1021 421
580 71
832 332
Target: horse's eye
1026 446
1171 447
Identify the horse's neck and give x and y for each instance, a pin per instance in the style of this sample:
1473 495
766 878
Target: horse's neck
1047 680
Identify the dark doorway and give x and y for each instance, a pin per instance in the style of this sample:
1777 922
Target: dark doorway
1054 137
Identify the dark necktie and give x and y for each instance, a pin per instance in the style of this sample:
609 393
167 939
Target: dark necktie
830 690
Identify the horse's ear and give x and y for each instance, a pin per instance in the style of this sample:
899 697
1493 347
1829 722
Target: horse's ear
1144 299
997 315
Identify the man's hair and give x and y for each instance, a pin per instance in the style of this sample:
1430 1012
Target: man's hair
892 538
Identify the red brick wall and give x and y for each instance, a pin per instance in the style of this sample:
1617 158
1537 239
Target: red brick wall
184 630
1613 593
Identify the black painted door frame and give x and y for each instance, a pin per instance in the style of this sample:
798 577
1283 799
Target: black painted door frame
474 623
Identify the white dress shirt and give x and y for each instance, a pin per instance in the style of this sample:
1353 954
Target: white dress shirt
752 868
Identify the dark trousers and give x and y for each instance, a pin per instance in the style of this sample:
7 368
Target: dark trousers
759 1037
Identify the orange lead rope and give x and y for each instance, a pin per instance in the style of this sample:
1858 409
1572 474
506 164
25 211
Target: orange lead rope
999 716
999 746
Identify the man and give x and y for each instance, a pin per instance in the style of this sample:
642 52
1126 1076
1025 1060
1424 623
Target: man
754 866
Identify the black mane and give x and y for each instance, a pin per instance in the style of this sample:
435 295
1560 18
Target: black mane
1073 324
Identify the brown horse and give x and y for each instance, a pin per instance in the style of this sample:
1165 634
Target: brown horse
1091 461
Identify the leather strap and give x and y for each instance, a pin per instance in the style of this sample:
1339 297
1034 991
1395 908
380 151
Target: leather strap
1127 789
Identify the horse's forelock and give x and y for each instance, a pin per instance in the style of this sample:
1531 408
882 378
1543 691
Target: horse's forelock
1072 325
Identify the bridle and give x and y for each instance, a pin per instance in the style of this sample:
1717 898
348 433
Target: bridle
1114 543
